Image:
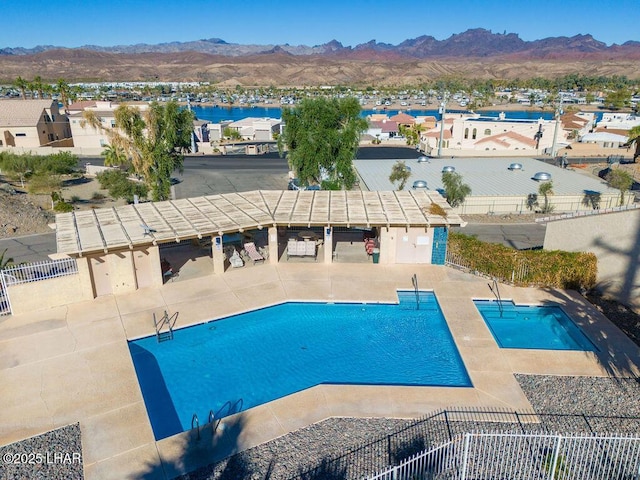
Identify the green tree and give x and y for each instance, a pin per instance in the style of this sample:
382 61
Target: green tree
231 133
545 189
620 180
154 141
321 137
119 185
400 173
455 190
634 139
618 98
17 166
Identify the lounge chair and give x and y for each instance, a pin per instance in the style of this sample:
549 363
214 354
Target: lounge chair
253 253
236 260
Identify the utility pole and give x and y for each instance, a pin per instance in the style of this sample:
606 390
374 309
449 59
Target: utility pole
193 140
443 110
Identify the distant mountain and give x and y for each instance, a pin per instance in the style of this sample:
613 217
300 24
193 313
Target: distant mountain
476 42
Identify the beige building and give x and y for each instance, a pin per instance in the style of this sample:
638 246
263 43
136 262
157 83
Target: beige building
32 124
87 136
474 133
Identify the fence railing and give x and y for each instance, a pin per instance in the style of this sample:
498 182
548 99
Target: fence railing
515 455
33 272
441 427
519 273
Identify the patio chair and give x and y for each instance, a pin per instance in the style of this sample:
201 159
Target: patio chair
253 253
236 260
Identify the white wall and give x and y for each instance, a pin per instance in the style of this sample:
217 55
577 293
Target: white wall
615 240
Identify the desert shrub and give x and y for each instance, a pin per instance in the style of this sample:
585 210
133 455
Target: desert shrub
43 183
119 186
74 199
97 197
573 270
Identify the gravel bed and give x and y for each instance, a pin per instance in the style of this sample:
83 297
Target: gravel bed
294 454
51 456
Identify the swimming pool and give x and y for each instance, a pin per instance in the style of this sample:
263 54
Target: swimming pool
544 327
250 359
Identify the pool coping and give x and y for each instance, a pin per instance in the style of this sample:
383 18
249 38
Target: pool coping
72 363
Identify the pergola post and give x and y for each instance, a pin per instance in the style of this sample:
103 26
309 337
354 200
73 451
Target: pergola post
328 244
218 255
273 245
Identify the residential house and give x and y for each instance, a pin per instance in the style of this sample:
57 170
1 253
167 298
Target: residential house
257 129
472 132
32 124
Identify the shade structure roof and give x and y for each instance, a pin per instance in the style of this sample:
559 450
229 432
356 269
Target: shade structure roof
129 226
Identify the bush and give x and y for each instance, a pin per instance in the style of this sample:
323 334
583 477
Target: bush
542 268
63 207
60 163
120 186
74 199
97 197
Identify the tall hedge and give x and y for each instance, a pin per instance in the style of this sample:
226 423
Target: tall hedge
571 270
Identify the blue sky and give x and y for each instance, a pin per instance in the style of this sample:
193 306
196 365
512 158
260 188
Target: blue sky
72 23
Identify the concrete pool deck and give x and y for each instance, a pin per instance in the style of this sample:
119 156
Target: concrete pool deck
72 364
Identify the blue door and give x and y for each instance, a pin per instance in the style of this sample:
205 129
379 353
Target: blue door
440 235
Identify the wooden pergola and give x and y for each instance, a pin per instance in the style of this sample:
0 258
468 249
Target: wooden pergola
104 230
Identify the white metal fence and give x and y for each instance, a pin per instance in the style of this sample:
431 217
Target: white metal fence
33 272
482 456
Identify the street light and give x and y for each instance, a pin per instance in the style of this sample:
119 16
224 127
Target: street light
443 110
193 140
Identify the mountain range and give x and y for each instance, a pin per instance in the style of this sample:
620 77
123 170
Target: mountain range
477 42
476 53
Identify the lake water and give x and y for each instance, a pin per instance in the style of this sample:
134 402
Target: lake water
218 114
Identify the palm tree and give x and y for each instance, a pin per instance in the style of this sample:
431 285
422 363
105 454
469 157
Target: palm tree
114 156
22 85
634 138
400 173
545 189
37 85
64 92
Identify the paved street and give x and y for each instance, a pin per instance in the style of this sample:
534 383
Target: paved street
520 236
214 174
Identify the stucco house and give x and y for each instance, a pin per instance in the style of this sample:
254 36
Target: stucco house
32 124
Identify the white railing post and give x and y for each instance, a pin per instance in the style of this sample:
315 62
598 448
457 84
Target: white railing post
465 456
5 293
556 454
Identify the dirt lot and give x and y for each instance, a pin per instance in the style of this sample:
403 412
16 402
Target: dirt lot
22 213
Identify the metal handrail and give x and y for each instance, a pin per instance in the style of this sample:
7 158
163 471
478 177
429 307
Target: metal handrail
414 280
195 420
496 293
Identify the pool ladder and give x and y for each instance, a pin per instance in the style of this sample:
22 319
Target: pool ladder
166 321
195 424
496 292
414 280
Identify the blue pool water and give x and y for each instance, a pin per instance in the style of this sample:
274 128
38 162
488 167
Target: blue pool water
246 360
532 327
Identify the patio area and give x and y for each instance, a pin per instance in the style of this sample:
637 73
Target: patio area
72 364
